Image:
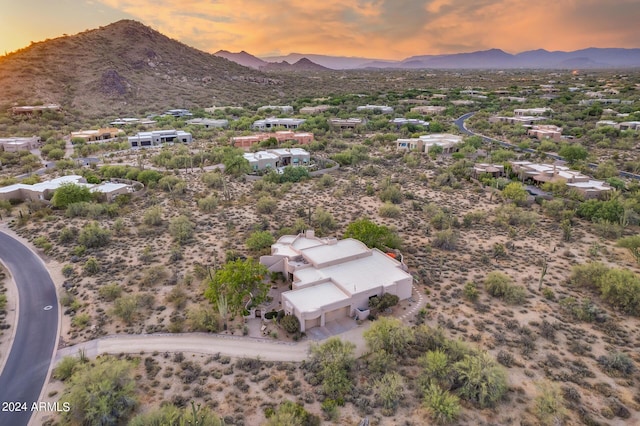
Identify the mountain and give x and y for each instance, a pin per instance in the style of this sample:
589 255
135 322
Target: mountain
331 62
303 65
243 58
126 68
593 58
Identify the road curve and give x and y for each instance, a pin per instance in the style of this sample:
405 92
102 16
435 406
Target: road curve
27 366
459 123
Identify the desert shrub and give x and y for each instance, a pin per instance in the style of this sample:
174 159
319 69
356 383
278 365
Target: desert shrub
389 391
442 406
619 287
92 235
632 244
446 240
208 204
499 285
289 413
436 368
213 179
65 368
480 379
181 229
81 320
290 323
152 216
389 210
323 221
470 291
126 308
153 275
617 364
549 404
91 266
266 205
391 194
110 292
67 235
203 318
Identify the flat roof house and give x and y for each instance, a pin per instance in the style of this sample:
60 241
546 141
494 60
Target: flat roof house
314 109
179 113
158 137
209 123
272 122
333 279
401 121
261 160
30 110
42 190
447 141
429 109
384 109
519 112
545 131
346 123
280 157
285 109
302 138
19 144
99 135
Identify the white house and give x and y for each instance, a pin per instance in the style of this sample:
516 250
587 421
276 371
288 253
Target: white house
209 123
446 141
285 109
42 190
333 279
384 109
280 157
19 144
158 137
272 122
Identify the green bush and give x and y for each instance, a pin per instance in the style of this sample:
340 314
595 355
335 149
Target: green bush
92 235
482 381
290 323
389 210
499 285
65 368
617 364
259 240
470 291
549 404
619 287
442 406
208 204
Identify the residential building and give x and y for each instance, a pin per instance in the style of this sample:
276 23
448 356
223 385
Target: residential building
625 125
495 170
535 112
384 109
542 173
159 137
279 157
214 108
44 190
462 102
285 109
346 123
446 141
401 121
314 109
19 144
179 113
603 101
517 99
272 122
333 279
132 121
209 123
525 120
99 135
429 109
30 110
301 138
545 131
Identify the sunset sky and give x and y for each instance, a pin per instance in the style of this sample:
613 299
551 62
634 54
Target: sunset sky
384 29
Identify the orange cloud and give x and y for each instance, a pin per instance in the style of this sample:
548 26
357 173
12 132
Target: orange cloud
389 28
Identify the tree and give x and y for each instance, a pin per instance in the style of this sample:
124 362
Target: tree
515 192
149 176
241 282
388 334
333 361
290 323
100 393
259 240
69 193
323 221
234 163
372 235
181 229
573 153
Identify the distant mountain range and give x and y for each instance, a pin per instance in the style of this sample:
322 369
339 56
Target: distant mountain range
245 59
593 58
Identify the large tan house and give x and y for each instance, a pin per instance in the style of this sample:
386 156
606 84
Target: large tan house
333 279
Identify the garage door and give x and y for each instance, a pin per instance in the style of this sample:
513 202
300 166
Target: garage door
336 314
310 323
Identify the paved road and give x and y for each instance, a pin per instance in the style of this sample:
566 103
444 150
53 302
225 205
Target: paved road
28 363
459 122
